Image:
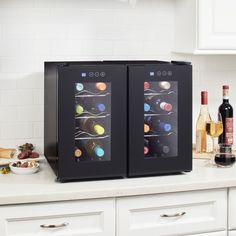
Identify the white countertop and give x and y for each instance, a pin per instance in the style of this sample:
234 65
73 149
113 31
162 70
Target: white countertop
42 187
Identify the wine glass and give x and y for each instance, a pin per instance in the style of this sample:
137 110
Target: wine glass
214 128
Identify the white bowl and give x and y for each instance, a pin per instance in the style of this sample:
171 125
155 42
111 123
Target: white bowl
24 170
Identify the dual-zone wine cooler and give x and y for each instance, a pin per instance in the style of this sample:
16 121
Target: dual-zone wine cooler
118 118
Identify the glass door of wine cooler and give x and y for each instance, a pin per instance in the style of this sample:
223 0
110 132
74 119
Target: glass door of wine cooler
160 118
92 121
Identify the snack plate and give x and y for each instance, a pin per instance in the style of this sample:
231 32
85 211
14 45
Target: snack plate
7 161
24 171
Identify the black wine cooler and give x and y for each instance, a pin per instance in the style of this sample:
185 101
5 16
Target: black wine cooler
118 119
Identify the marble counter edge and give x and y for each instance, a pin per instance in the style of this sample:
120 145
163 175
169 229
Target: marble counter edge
44 196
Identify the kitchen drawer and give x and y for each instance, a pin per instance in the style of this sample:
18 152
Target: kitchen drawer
172 214
232 208
73 218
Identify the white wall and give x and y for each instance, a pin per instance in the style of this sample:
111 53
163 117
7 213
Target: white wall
34 31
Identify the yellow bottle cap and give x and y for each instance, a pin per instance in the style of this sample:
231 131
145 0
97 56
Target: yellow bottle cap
146 128
79 109
99 129
101 86
78 152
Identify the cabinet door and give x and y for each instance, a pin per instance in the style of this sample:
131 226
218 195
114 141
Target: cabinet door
74 218
232 233
216 24
232 208
186 213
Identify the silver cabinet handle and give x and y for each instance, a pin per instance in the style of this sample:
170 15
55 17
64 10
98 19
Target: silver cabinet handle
54 226
173 215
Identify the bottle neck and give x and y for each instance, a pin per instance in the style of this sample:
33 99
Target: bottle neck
204 109
225 95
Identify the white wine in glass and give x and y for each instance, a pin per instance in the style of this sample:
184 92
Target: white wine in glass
214 128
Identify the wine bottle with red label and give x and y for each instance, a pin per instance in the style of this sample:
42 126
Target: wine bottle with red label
226 111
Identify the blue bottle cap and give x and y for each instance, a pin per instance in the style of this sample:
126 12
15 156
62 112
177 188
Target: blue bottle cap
146 107
99 152
165 126
100 106
79 87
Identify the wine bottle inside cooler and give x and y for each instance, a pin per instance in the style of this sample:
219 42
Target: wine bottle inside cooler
91 126
157 104
162 148
162 86
94 149
146 147
96 107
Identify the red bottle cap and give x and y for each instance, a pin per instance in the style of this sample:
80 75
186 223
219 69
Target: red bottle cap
146 150
225 86
166 106
146 85
204 97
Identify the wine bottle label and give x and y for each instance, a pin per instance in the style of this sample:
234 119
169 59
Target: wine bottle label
199 141
229 131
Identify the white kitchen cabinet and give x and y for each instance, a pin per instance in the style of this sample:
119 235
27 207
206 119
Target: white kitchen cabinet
72 218
232 208
232 233
185 213
205 26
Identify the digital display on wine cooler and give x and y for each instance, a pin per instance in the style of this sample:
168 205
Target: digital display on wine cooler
160 119
92 121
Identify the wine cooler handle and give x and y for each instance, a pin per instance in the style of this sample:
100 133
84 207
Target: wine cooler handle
54 226
173 215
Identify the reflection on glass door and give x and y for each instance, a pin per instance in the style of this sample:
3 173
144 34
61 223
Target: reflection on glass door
92 121
160 119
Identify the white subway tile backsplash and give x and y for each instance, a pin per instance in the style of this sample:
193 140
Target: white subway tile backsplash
30 113
31 81
97 47
17 4
67 47
34 31
8 48
38 130
8 114
124 48
24 96
7 82
50 31
16 130
18 31
38 96
9 98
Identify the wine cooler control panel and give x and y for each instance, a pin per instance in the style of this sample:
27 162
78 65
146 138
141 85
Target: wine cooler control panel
92 121
160 119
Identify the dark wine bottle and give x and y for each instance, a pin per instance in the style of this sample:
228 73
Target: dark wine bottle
94 149
92 126
157 104
156 125
146 147
226 111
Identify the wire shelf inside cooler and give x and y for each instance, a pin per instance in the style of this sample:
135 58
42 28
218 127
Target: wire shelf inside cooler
79 95
153 93
91 115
